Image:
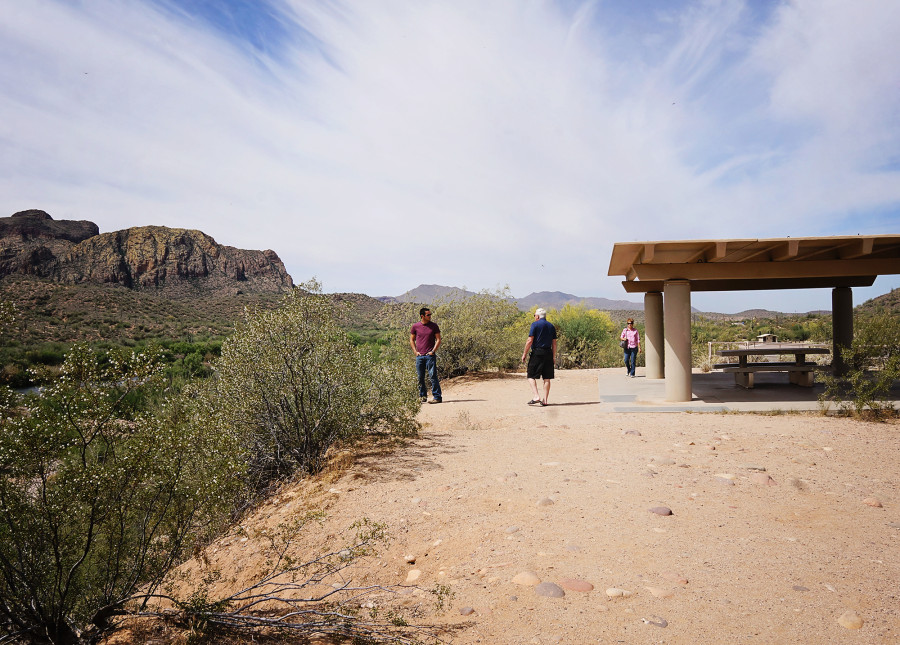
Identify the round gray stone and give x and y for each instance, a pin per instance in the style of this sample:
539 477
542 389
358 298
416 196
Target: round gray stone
549 590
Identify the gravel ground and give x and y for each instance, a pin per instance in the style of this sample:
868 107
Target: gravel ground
566 525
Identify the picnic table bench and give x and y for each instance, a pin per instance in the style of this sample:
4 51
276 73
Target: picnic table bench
800 371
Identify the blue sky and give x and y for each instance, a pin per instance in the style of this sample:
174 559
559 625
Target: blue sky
381 145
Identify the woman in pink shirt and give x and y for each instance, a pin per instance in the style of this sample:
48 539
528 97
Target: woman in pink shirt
632 347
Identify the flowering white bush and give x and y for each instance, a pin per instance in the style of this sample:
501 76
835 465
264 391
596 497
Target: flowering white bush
99 499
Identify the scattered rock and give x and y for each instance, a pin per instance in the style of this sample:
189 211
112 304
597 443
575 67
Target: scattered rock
574 584
762 479
661 510
526 578
761 469
413 575
549 590
615 592
656 620
632 432
873 502
663 461
725 476
658 592
724 481
410 559
512 529
545 502
800 588
850 620
466 611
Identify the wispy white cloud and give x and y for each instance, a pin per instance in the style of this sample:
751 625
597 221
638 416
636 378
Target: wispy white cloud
380 145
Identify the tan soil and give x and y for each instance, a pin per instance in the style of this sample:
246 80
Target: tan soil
755 562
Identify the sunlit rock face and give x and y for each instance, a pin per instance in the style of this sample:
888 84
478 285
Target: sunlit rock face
144 257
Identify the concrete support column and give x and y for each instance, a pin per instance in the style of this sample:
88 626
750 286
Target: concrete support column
677 321
654 339
841 326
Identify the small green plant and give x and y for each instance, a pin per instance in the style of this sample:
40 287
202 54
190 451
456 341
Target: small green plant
443 597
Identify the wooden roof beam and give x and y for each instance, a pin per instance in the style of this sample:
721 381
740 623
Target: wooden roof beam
645 286
857 249
703 254
745 270
763 250
787 251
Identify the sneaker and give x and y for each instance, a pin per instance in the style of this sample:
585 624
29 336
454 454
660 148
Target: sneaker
424 399
435 400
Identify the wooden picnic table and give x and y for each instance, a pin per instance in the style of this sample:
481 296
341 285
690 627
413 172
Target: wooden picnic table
800 371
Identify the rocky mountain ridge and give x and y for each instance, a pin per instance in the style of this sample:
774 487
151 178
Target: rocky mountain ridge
178 261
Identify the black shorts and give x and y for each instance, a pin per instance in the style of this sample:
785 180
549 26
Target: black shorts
540 364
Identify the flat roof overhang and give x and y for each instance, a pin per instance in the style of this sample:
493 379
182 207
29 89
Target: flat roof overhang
756 264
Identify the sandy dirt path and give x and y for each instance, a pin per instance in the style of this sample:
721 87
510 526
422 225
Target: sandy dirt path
783 529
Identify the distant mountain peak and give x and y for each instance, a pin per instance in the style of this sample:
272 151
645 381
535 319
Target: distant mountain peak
427 293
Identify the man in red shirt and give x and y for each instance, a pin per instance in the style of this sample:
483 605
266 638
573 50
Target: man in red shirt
425 338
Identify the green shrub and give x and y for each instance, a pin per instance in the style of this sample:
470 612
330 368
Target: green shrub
584 336
47 354
291 384
98 499
872 367
478 332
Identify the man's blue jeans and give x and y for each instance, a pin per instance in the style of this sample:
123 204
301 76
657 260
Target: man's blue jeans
428 363
630 359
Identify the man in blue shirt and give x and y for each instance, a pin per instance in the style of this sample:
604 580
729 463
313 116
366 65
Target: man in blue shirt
542 342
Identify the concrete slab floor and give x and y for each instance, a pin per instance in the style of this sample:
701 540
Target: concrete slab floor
712 392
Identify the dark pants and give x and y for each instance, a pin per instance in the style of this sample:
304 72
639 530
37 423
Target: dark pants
630 359
428 363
